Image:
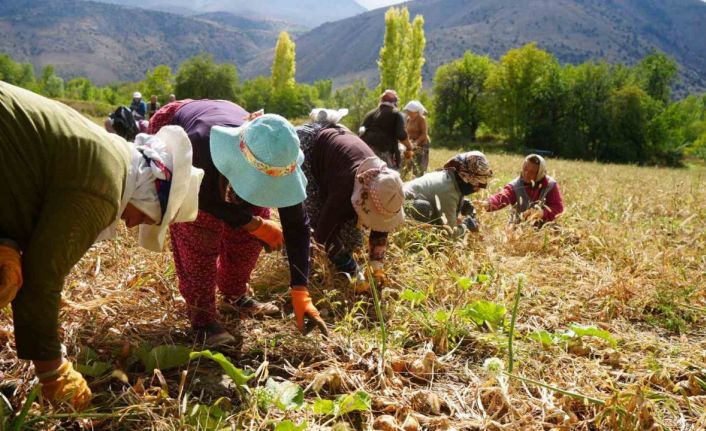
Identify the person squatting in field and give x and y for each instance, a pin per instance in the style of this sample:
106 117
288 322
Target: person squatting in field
383 128
348 187
65 184
534 196
438 197
250 165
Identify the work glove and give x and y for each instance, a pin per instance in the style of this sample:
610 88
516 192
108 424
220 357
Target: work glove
378 271
270 234
307 315
10 274
66 385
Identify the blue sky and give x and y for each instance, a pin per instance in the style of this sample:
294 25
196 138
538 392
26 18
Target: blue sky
373 4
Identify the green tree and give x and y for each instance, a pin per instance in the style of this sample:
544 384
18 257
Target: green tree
415 42
359 99
159 81
390 59
80 88
284 92
525 96
201 78
459 95
324 89
655 74
51 85
256 93
631 110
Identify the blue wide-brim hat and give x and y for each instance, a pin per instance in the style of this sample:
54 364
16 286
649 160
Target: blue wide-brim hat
262 161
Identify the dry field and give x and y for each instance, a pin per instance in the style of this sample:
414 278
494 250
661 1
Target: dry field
609 330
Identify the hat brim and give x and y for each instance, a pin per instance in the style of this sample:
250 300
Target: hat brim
182 205
248 182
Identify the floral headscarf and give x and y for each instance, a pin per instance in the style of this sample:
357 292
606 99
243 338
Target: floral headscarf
472 167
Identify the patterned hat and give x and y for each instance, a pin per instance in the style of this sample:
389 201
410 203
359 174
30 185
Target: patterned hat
472 167
378 196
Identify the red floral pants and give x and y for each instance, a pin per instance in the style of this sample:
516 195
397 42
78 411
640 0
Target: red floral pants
209 253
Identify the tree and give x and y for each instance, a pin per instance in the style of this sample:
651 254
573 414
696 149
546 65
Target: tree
631 110
525 96
80 88
284 95
402 55
359 99
655 74
50 84
201 78
459 96
159 81
255 94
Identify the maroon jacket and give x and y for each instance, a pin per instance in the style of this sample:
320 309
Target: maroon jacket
553 205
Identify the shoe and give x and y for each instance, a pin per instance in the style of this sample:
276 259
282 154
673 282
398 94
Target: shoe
249 306
213 335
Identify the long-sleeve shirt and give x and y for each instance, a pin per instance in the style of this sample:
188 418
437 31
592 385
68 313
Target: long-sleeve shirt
197 118
553 205
384 127
417 130
335 159
61 182
441 185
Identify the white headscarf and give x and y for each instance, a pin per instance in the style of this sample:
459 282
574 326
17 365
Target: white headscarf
415 106
327 116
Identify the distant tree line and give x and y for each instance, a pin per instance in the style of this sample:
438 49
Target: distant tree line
591 111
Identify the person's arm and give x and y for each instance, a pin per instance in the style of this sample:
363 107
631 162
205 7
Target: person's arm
69 223
554 204
501 199
423 132
333 213
401 133
295 225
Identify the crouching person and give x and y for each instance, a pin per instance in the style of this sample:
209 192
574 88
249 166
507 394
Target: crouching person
348 187
65 184
534 196
438 197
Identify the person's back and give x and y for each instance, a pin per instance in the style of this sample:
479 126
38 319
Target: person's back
384 127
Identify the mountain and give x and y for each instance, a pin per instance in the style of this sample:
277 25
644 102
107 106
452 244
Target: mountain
107 42
573 30
307 13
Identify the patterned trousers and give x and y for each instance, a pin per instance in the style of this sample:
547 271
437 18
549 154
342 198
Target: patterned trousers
209 253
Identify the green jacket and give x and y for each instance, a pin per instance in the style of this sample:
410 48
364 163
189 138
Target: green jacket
61 183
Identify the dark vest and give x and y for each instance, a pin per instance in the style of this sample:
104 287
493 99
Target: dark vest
522 199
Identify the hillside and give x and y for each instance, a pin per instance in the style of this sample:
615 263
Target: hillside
106 42
308 13
573 30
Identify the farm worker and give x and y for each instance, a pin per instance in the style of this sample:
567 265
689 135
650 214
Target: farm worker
65 183
438 197
534 195
138 106
250 166
418 133
348 186
383 128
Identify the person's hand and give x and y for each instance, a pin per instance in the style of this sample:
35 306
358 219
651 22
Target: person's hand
269 232
482 204
10 274
409 154
66 385
304 309
533 214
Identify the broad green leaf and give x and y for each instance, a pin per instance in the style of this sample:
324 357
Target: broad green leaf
464 283
285 395
323 407
485 312
442 316
360 401
164 357
239 376
94 369
592 331
482 278
413 296
290 426
209 417
544 337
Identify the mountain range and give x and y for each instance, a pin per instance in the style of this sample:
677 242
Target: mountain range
108 42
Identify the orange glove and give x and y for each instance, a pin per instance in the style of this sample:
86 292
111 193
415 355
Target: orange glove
270 233
303 307
10 274
66 385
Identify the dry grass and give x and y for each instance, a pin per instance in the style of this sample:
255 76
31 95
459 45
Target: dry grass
628 257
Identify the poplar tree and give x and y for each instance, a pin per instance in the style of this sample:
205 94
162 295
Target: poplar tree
283 66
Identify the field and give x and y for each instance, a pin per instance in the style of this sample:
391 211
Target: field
609 328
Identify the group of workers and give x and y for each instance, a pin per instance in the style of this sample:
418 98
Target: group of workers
209 173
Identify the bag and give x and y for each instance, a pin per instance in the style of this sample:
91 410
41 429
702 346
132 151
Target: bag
124 123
